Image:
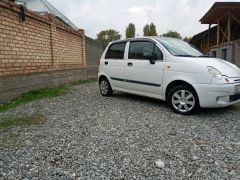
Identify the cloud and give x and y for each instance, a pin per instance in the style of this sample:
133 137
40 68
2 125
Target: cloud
96 15
135 10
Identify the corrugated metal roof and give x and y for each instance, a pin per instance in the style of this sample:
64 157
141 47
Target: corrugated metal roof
21 2
43 6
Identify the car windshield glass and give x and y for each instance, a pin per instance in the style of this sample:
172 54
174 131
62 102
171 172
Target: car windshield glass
178 47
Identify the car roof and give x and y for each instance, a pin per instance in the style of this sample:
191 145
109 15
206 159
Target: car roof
142 38
132 39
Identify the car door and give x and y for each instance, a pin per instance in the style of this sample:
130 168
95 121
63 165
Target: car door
141 75
114 64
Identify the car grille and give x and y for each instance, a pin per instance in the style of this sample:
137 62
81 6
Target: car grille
234 98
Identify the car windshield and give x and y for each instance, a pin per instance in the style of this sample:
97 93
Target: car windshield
178 47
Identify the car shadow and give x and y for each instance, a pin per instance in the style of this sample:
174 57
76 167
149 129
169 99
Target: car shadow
157 102
223 110
138 98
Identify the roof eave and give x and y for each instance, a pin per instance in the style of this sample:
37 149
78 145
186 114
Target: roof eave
216 5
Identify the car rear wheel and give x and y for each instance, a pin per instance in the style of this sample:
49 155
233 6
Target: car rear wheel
105 87
183 100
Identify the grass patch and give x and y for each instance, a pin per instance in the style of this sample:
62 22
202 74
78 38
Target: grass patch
10 139
32 96
40 94
82 82
35 119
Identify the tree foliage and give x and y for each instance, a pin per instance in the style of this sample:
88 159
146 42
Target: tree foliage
146 30
173 34
107 36
150 30
187 39
130 31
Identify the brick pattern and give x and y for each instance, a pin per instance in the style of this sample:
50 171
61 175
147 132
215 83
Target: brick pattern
38 44
65 50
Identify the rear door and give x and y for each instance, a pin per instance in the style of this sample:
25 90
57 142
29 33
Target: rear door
114 64
141 75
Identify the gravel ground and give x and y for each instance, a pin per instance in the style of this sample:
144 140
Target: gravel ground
88 136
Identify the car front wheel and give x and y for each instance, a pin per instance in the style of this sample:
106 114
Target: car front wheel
183 100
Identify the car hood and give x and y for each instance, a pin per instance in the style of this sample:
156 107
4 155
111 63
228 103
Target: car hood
226 68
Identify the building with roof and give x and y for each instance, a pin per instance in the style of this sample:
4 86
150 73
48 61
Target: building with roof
222 38
43 7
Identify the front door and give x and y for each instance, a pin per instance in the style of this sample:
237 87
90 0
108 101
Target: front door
141 75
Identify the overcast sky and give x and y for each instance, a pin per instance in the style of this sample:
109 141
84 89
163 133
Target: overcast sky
96 15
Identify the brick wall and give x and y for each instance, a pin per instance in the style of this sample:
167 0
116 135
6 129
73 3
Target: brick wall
65 43
38 44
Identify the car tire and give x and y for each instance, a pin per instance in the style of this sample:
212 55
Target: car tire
105 87
183 100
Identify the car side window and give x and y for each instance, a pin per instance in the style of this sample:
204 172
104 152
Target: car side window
116 51
139 48
158 55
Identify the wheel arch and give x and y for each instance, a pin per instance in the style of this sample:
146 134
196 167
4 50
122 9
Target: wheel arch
177 83
101 77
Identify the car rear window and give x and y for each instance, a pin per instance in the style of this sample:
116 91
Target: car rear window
116 51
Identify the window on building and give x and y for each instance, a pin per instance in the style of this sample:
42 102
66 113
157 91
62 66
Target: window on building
224 54
214 54
116 51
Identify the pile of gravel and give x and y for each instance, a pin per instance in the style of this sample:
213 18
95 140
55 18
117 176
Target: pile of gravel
88 136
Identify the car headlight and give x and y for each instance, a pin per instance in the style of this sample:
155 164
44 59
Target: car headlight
214 72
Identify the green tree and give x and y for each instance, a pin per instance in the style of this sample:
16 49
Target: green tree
107 36
150 30
173 34
146 30
187 39
130 31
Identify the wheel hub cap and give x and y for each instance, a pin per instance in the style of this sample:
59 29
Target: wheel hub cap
183 100
104 87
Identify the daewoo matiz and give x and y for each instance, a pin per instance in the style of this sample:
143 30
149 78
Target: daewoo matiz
168 69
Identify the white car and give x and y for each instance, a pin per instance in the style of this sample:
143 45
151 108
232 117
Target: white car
168 69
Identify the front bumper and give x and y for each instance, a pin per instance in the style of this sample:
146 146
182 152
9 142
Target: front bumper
222 95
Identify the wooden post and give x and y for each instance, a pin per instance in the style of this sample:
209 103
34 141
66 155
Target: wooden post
209 27
229 27
234 18
218 28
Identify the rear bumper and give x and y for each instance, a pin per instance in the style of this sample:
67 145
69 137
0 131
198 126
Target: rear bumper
212 96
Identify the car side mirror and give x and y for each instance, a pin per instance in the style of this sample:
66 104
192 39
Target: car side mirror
150 57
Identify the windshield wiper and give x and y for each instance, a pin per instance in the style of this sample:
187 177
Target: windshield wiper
185 55
203 56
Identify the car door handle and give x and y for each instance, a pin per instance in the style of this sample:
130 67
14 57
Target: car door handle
106 63
130 64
